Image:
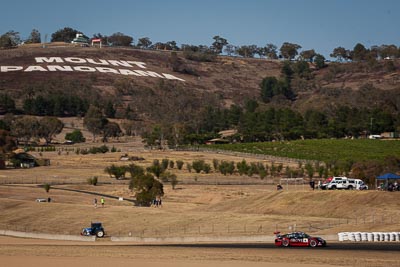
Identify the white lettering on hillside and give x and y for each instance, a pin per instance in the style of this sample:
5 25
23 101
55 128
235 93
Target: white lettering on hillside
10 68
172 77
107 70
129 72
149 73
75 60
137 63
49 59
59 68
82 68
34 68
102 61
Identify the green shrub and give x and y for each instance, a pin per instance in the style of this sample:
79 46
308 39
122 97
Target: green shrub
179 164
47 187
198 165
76 136
207 168
189 167
226 167
93 180
117 171
171 164
164 164
215 164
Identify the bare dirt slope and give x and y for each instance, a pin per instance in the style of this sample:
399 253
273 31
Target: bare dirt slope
223 82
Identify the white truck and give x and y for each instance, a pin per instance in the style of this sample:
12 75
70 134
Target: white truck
346 183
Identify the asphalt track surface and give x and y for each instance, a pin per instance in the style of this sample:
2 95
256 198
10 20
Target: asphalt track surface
370 246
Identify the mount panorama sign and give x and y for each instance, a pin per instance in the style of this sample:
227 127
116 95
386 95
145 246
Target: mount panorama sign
71 64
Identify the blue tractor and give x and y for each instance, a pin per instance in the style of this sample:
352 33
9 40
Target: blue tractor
95 229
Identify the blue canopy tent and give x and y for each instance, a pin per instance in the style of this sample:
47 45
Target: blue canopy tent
385 177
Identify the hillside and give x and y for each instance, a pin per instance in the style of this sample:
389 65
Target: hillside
159 85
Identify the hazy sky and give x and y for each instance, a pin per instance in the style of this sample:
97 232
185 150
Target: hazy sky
319 24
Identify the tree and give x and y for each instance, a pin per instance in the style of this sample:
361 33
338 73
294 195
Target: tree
390 51
94 121
25 128
117 171
218 44
289 50
359 52
49 127
7 142
64 35
198 165
319 61
7 104
268 86
146 187
230 49
10 39
109 110
246 50
47 187
242 167
76 136
340 53
144 43
308 55
302 69
156 168
154 138
270 51
111 129
34 37
120 39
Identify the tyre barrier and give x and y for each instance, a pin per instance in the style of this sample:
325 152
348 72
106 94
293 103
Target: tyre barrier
369 236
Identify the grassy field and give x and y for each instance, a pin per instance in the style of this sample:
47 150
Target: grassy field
323 150
202 204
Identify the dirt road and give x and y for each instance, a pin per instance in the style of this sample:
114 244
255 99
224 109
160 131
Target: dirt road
30 252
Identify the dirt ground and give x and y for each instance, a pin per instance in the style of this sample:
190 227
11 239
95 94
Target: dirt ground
19 252
201 205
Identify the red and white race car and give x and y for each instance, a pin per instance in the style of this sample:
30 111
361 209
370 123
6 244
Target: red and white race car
298 239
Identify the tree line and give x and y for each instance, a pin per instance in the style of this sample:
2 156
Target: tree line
219 45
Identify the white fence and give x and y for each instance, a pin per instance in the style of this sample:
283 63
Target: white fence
369 236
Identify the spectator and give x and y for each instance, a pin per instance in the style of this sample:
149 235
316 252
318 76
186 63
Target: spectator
312 184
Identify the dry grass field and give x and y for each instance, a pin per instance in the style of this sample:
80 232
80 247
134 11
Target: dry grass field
201 205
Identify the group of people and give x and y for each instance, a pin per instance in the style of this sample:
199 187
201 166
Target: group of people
101 201
390 186
156 203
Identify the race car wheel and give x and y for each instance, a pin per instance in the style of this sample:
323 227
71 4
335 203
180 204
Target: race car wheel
313 243
285 242
100 234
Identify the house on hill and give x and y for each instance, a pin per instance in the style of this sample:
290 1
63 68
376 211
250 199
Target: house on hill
225 137
81 40
21 159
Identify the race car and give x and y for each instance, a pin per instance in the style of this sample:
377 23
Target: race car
298 239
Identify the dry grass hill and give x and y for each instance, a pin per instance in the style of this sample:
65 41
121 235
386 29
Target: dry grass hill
192 209
220 83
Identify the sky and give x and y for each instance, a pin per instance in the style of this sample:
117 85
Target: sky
314 24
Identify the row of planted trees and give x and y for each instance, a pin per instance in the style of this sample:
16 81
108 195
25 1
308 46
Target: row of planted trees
252 169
